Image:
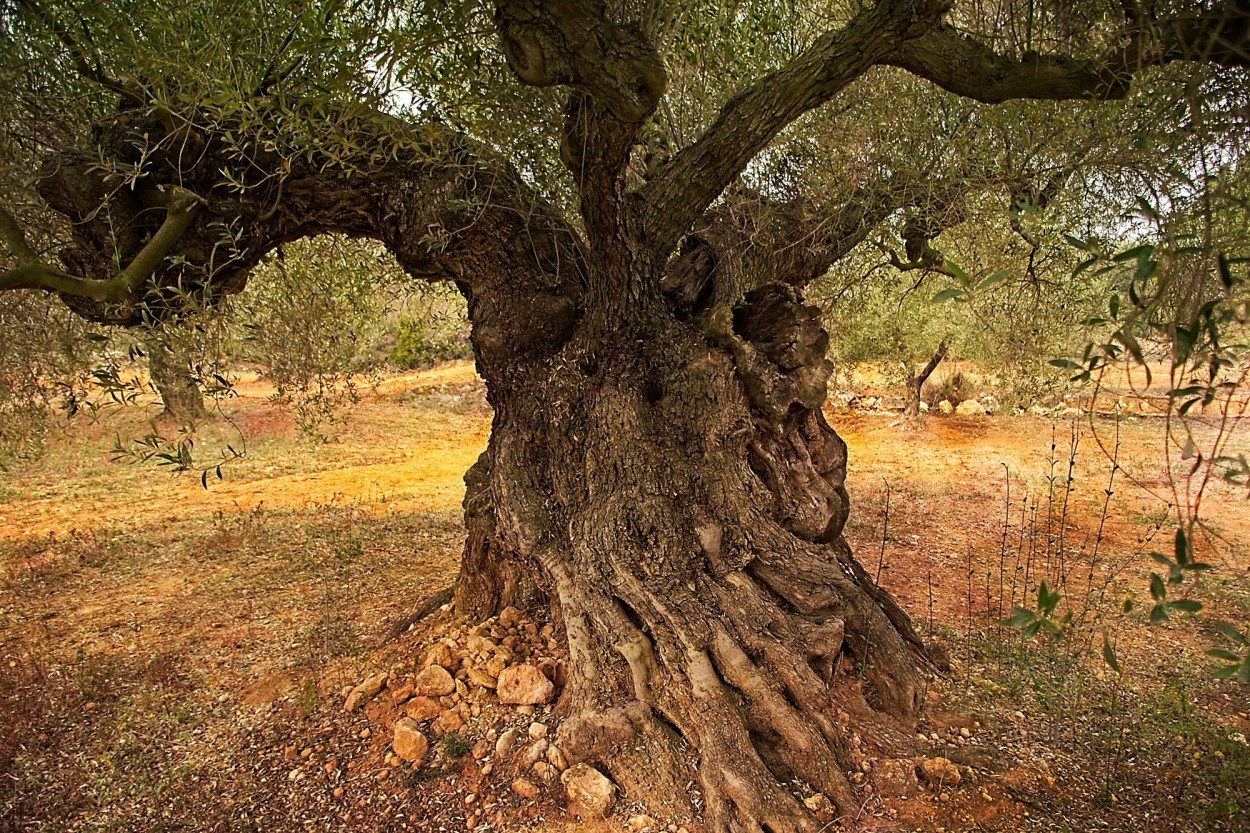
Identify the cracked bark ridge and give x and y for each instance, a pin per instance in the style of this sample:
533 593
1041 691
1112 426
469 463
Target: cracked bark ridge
683 500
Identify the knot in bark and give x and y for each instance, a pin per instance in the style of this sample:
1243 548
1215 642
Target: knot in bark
573 43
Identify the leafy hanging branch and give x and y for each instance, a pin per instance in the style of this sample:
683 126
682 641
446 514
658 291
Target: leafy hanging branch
1236 665
1206 368
1178 569
32 273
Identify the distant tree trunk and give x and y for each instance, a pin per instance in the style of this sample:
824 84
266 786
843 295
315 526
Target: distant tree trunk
171 375
911 410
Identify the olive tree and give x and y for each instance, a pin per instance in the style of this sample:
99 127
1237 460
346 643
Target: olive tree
659 464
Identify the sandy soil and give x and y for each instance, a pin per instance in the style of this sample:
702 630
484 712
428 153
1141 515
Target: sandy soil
165 646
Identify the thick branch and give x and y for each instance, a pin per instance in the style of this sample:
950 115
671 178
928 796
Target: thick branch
574 43
868 207
927 370
911 409
925 265
696 176
750 239
32 273
968 68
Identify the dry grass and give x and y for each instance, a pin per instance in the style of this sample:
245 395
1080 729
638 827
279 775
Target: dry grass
162 647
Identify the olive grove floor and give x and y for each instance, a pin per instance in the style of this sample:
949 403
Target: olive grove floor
174 657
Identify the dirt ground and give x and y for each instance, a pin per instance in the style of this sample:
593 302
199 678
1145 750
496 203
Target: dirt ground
175 658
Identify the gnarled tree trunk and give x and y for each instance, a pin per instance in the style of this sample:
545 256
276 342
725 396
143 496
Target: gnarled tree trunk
172 377
659 467
659 464
678 492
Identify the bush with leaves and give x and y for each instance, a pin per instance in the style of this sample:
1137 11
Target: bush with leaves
431 327
45 359
312 319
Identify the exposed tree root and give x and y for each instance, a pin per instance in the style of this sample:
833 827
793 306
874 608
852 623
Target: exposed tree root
685 520
399 627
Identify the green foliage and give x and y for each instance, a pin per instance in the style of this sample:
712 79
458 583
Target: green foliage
1042 619
995 199
412 349
1234 665
1108 654
1001 316
45 362
1176 295
967 287
438 331
1177 571
312 317
453 746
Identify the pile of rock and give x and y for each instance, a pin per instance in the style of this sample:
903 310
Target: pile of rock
490 682
968 407
507 656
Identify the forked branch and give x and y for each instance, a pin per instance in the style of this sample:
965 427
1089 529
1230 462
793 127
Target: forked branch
32 273
749 121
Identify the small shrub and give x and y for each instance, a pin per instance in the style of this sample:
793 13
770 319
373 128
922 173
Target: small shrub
454 746
420 344
307 700
349 548
955 388
412 345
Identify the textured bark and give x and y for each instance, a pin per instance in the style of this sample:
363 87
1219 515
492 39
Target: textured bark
490 577
659 466
1218 34
575 43
665 477
681 498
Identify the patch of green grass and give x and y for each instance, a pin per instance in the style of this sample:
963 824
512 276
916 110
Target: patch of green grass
1205 766
1136 748
307 700
453 746
1157 517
